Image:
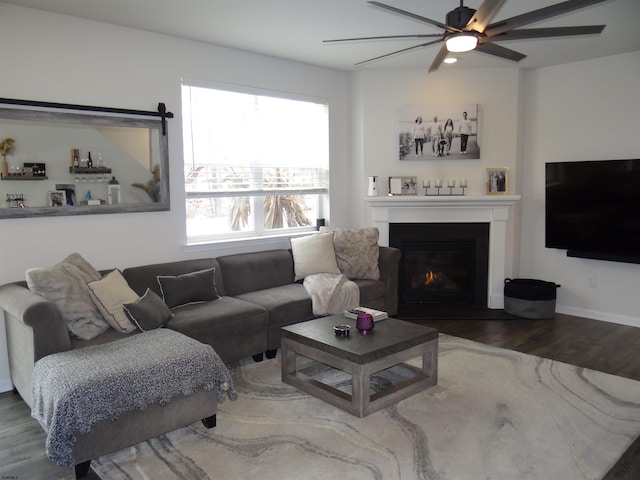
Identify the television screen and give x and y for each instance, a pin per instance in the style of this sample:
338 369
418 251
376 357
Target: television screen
593 209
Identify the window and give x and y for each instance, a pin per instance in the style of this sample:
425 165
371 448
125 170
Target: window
254 164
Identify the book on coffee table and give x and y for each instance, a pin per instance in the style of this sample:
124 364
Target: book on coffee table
376 314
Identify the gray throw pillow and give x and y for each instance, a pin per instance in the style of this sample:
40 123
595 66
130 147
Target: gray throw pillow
357 251
148 312
65 285
188 288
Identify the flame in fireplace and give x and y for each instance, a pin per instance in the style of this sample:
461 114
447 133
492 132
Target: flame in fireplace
429 277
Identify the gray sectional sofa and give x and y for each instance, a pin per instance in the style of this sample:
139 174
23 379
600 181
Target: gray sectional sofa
257 293
258 296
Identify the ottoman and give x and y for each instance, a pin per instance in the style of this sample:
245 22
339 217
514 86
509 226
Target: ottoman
95 400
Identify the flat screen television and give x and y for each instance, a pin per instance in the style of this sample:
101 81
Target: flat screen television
592 209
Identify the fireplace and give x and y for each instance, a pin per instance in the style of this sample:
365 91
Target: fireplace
442 263
489 209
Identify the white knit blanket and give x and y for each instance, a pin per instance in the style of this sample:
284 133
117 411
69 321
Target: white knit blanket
331 294
74 390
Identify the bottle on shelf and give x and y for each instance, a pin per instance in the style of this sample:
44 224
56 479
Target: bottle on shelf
89 161
75 157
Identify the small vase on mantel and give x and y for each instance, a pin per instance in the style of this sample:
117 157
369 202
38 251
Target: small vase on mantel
5 167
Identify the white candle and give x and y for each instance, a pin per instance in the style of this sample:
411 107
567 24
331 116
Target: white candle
451 183
426 183
464 183
438 182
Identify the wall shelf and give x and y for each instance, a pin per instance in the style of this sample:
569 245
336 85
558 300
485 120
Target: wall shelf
24 177
89 170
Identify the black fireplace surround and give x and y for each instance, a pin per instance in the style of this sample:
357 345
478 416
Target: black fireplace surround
444 264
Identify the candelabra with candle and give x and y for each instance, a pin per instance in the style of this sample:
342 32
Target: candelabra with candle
451 185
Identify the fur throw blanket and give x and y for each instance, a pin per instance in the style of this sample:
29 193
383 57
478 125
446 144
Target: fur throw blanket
331 294
74 390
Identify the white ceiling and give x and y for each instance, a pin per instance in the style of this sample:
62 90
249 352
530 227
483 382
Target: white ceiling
294 29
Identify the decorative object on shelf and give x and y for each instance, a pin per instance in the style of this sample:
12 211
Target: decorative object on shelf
463 184
373 186
152 187
70 192
38 169
57 198
6 147
113 192
403 185
450 132
75 158
497 181
15 200
364 322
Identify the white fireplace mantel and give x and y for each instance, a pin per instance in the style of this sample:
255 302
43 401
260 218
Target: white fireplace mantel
492 209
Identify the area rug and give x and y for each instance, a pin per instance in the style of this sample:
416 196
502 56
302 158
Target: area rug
495 414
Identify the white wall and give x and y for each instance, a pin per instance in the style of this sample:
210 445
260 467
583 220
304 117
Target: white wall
50 57
580 111
376 96
381 93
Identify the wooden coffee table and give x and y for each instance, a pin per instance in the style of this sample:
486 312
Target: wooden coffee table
391 343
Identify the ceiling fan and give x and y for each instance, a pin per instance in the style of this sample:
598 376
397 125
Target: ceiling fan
469 29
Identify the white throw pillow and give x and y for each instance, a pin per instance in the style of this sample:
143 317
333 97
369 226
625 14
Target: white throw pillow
314 254
110 294
357 251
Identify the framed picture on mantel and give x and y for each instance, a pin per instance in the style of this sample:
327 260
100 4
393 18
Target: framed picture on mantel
497 180
403 185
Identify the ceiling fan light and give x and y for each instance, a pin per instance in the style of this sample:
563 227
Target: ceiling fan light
450 60
461 42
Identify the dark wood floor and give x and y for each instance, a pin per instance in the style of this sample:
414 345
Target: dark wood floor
602 346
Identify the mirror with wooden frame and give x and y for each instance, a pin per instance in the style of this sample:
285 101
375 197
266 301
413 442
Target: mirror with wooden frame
73 160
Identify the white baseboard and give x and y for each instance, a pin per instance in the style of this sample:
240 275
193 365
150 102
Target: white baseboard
6 385
595 315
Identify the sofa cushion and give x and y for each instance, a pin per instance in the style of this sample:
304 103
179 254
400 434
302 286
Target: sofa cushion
148 312
249 272
188 288
314 254
109 294
286 304
234 328
65 285
146 276
356 251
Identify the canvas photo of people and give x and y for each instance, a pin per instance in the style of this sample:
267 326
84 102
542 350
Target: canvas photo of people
426 133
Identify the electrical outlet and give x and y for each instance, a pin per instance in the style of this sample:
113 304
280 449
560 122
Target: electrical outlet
592 281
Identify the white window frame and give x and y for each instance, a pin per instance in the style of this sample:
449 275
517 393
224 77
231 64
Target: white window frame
256 192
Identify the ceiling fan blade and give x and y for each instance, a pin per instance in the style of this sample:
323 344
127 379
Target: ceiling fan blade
483 15
537 15
398 51
439 58
384 37
526 33
498 51
414 16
